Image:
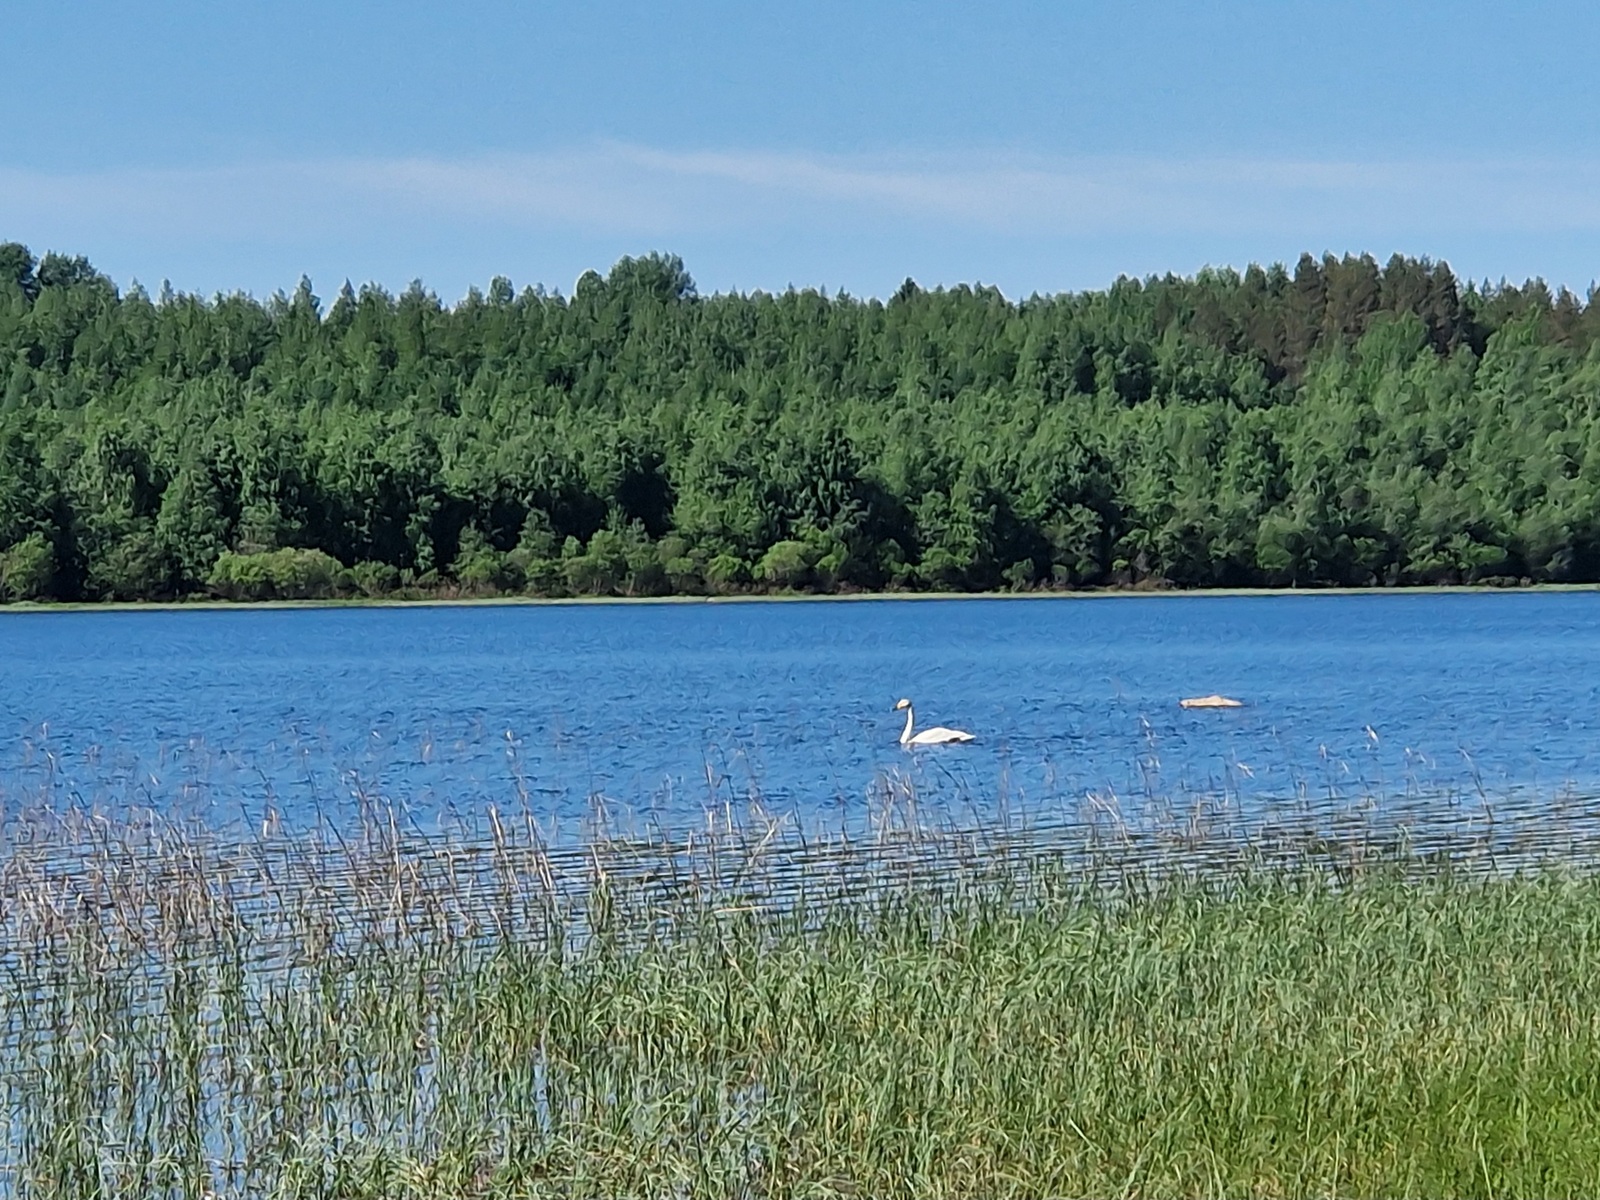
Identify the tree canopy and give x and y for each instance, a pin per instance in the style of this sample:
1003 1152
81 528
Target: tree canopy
1343 422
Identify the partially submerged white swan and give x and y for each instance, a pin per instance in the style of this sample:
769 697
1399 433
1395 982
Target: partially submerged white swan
1211 701
936 736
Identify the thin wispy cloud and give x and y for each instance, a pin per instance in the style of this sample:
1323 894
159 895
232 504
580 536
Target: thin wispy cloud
645 192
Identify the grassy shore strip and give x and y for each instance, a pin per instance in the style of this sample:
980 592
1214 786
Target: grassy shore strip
1336 1021
427 601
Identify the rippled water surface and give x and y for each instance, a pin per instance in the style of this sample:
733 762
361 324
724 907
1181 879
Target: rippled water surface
661 711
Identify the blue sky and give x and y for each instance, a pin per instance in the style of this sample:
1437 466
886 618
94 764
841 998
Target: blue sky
1036 146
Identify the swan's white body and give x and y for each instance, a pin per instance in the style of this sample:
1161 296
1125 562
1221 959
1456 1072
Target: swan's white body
937 736
1211 701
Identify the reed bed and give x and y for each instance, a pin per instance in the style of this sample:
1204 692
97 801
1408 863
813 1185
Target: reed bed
1045 1008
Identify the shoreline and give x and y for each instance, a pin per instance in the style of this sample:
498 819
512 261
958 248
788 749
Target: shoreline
215 605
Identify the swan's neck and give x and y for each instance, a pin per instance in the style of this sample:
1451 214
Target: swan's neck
910 717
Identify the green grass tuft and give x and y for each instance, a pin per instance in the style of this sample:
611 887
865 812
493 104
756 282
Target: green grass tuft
1003 1026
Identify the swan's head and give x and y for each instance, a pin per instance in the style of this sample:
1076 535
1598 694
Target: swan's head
902 704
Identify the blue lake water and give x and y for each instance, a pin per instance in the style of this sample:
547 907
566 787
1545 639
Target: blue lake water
664 711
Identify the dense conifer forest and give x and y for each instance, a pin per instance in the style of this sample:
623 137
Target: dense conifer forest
1342 422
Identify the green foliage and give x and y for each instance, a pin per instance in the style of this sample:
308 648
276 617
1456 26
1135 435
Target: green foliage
1345 422
601 569
727 572
480 567
786 565
374 579
288 574
27 569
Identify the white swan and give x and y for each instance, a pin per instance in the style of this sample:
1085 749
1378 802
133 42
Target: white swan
1211 701
936 736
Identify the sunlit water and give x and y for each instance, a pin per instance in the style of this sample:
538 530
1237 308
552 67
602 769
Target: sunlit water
660 712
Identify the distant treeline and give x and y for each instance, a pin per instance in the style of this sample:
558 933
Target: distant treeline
1340 423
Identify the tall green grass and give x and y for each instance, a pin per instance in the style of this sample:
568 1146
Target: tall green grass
181 1019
